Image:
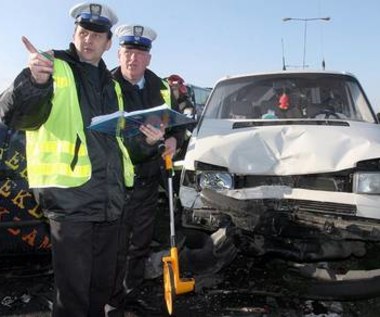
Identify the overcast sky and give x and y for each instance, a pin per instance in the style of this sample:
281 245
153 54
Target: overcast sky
204 40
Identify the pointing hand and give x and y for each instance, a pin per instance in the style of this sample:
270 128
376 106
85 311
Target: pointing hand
40 63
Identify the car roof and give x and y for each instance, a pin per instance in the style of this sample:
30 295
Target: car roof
287 72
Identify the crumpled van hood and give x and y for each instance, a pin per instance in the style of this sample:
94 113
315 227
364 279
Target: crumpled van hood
284 149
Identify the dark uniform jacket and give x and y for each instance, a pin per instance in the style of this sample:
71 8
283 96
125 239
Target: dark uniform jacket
146 159
26 105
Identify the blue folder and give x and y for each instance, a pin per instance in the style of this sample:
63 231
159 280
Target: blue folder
128 122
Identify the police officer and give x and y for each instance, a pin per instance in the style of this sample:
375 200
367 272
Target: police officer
79 175
141 89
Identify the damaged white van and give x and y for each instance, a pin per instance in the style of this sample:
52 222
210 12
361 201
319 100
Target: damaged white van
289 164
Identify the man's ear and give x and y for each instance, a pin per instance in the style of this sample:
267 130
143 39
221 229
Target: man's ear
109 44
149 57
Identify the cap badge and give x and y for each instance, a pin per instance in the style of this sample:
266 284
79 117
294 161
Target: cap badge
95 9
138 30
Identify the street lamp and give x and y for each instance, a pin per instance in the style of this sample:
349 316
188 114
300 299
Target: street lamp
305 20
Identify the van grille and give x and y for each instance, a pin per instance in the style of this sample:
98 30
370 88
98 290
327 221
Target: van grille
311 206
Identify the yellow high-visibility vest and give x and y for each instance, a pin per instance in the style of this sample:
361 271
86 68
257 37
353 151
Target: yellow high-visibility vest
57 154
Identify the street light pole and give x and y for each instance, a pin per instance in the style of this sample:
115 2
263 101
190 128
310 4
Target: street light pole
305 20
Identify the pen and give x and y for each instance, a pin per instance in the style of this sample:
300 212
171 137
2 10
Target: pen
46 55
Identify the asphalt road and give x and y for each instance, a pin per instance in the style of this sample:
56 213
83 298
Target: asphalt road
245 288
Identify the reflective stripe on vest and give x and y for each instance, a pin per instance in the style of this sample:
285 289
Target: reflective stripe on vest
57 153
127 163
165 93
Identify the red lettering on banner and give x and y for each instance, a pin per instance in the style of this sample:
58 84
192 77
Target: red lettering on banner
30 238
3 211
15 232
45 244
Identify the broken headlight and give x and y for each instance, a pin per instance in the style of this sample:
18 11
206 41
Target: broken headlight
367 183
215 180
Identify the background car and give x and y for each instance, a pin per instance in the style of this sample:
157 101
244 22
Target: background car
289 164
198 96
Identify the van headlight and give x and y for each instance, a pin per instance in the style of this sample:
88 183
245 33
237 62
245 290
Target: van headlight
367 183
215 180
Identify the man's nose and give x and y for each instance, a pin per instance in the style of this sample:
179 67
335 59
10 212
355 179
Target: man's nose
133 55
88 38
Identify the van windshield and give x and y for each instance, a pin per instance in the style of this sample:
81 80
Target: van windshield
290 96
